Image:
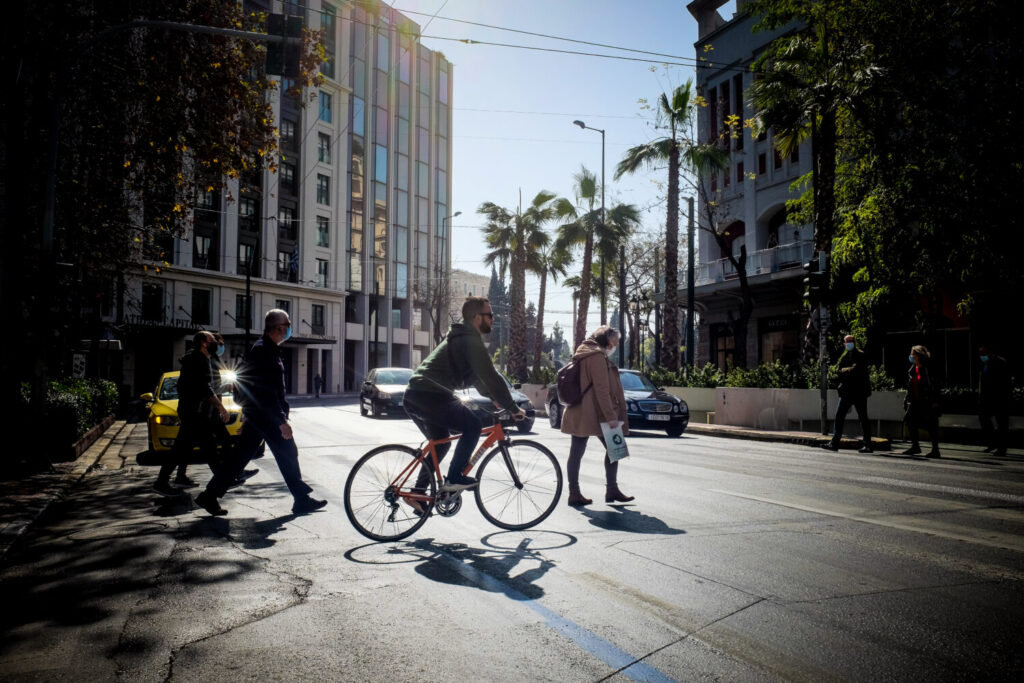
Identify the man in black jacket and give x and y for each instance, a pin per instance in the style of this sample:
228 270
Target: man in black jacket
197 400
854 389
995 391
261 393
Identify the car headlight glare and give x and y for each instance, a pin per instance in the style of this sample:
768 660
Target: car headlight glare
634 407
167 420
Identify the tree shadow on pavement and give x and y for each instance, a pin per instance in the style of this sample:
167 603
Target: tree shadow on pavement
100 550
622 518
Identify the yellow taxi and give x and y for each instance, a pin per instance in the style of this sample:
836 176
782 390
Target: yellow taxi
163 409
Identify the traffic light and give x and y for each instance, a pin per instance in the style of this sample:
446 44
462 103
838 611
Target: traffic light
283 57
815 284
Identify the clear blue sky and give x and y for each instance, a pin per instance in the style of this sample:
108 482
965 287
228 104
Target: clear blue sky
497 153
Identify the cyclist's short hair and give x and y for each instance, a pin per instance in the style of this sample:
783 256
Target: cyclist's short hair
472 306
604 335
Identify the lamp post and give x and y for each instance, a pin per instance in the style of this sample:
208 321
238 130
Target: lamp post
443 296
622 255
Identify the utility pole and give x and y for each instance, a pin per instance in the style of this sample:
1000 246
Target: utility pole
690 350
657 308
823 342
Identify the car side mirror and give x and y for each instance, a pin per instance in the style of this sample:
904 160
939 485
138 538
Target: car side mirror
148 398
517 386
660 388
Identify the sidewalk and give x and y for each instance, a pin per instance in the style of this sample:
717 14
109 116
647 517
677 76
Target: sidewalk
23 501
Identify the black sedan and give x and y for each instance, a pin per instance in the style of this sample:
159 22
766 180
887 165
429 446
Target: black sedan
647 406
383 391
484 408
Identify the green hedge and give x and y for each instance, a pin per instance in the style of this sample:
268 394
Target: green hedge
775 375
71 408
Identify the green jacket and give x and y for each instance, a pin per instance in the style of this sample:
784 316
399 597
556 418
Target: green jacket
459 361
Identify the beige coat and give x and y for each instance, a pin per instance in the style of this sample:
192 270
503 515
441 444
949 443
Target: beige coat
603 402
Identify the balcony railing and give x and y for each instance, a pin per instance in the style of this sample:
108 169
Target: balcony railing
782 257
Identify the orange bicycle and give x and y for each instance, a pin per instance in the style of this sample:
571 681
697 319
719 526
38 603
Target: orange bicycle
520 483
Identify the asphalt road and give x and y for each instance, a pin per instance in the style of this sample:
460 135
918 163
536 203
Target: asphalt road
738 561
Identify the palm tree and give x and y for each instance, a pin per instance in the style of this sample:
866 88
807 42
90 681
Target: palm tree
513 238
582 222
551 261
676 149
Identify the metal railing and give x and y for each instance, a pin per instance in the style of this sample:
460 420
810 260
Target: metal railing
782 257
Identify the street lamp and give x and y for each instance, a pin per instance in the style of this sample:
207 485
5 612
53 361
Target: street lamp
622 254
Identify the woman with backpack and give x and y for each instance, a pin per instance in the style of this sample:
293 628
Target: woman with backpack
602 401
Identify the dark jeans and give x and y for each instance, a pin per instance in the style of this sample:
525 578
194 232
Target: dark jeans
842 408
1001 414
203 431
918 416
286 453
576 450
438 415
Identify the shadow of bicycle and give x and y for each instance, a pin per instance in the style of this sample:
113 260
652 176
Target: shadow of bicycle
509 563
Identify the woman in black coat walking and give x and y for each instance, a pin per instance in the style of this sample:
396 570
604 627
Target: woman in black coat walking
922 402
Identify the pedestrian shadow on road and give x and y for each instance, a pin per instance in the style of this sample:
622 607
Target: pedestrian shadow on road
622 518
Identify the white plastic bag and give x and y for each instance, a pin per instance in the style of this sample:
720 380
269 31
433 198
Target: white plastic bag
615 442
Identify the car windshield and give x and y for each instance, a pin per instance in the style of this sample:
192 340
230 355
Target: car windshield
169 389
634 382
394 377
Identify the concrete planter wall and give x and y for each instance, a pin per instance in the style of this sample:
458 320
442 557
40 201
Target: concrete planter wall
537 393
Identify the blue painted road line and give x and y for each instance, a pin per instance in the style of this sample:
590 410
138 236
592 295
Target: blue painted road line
588 640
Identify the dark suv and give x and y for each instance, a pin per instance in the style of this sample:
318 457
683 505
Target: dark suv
647 406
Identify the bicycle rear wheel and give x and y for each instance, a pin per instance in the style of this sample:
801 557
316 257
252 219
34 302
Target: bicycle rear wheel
374 500
520 484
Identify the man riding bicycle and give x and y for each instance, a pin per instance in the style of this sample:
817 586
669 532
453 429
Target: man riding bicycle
460 360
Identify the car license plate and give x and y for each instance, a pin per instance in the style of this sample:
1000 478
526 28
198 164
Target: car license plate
659 418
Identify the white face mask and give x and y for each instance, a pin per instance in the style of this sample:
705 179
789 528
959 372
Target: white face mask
609 352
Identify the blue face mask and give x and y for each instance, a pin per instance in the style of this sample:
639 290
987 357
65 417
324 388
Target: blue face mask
287 334
911 357
220 350
984 359
849 346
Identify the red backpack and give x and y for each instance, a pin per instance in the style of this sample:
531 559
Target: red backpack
567 385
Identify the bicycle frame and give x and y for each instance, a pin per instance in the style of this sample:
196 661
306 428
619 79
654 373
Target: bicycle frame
494 434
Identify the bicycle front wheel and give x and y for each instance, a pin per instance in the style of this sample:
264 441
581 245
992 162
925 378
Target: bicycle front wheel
520 484
374 494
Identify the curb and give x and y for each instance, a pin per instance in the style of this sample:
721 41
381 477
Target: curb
797 438
54 487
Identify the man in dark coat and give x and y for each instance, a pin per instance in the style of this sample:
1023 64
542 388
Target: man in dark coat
198 407
261 393
854 389
995 389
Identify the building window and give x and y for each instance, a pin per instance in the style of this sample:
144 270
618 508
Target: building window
284 305
286 223
325 107
242 311
358 116
776 159
284 265
762 163
317 316
247 214
323 149
244 257
401 281
201 306
380 163
724 346
322 266
739 172
287 134
323 232
323 189
153 302
201 251
442 86
288 177
794 158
